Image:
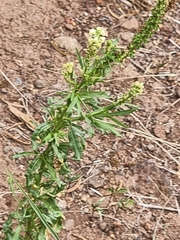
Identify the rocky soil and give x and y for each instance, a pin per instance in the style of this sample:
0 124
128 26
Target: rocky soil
145 161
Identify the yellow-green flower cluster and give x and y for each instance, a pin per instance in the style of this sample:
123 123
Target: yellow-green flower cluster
136 89
68 67
68 70
95 41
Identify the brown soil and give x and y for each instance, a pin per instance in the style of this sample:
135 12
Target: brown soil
145 160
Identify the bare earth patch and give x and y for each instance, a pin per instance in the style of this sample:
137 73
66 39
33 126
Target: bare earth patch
145 161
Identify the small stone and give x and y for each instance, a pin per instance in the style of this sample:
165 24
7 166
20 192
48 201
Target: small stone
69 26
84 197
39 83
69 224
131 24
103 226
6 149
96 215
96 181
112 236
2 125
130 135
86 210
67 44
127 36
29 96
48 62
150 147
21 167
3 90
117 223
62 204
18 150
134 155
18 81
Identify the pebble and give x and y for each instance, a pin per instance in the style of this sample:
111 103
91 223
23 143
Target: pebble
21 167
86 210
69 224
96 215
29 96
39 83
69 26
127 36
130 135
3 90
62 204
134 155
84 197
112 236
18 150
2 125
48 62
132 24
68 43
103 226
96 181
6 149
150 147
18 82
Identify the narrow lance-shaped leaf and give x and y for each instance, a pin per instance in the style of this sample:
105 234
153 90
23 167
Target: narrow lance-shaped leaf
80 59
104 126
76 141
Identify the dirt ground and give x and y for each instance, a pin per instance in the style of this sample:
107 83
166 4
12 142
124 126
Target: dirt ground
145 161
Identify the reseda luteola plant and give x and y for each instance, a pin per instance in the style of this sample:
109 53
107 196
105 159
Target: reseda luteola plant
61 135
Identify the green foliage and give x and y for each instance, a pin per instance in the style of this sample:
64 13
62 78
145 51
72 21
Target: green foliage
63 133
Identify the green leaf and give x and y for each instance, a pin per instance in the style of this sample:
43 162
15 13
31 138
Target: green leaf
52 172
116 113
24 154
129 203
90 130
118 122
117 190
58 154
80 59
76 141
122 112
107 127
41 129
17 233
79 110
73 103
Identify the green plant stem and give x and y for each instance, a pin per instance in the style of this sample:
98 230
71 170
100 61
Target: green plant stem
63 131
